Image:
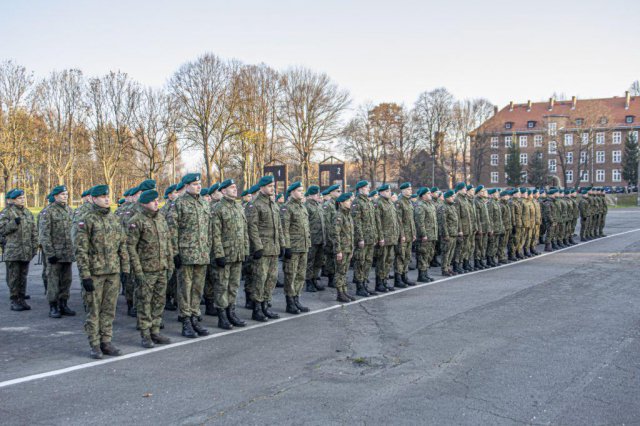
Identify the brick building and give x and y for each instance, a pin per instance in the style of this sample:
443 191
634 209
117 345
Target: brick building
580 141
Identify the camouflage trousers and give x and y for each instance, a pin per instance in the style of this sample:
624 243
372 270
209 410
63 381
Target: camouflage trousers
492 245
403 257
265 275
190 286
342 267
329 259
425 250
514 240
58 281
502 246
535 236
363 259
172 284
574 225
210 282
17 278
100 305
314 261
383 265
481 246
294 273
227 284
550 229
525 238
448 248
465 248
45 280
129 287
150 299
601 224
584 227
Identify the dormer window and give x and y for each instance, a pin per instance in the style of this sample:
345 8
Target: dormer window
603 120
629 119
579 121
531 124
508 125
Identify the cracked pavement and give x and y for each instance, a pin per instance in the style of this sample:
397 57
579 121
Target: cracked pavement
553 340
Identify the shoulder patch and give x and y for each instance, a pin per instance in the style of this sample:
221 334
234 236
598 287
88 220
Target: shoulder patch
80 224
132 226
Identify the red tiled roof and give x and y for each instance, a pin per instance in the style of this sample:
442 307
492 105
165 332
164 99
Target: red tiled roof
613 108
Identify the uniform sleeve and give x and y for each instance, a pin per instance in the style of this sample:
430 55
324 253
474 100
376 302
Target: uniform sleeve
133 237
400 220
285 215
337 230
82 244
216 234
442 222
7 224
246 234
419 218
44 228
123 252
281 234
357 223
252 227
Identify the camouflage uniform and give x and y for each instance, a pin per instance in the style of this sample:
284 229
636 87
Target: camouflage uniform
101 253
295 229
212 279
537 222
44 264
448 233
168 211
483 230
342 237
366 230
408 232
516 222
549 208
21 246
507 224
497 227
425 217
55 236
386 217
585 216
467 226
317 229
329 209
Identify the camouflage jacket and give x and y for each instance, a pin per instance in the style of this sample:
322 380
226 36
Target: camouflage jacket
149 242
229 231
467 214
482 214
537 213
585 207
549 212
265 227
101 244
495 216
364 220
405 219
193 230
329 210
21 240
295 226
343 232
516 213
317 227
507 220
447 221
426 220
387 222
54 229
77 216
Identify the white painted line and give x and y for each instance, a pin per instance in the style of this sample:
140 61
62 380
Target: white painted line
97 363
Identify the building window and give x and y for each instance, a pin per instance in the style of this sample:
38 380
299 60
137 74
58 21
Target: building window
585 138
508 125
552 166
603 120
616 176
585 176
617 137
616 156
553 129
628 119
523 141
495 177
600 175
634 135
569 175
569 158
579 121
539 155
553 147
523 159
507 141
494 142
537 141
525 176
600 138
600 157
506 158
583 157
568 139
531 124
494 159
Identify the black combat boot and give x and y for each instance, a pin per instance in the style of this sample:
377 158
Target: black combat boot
380 287
131 310
159 339
248 303
309 287
405 279
534 251
16 306
360 291
107 348
223 321
168 305
24 304
572 241
197 327
146 342
467 266
332 281
54 312
554 246
388 287
366 288
95 353
187 328
341 297
397 281
267 312
300 306
291 306
64 308
316 283
454 265
512 257
210 308
233 318
422 277
279 284
257 314
547 247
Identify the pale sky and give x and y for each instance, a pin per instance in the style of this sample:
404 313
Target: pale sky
380 51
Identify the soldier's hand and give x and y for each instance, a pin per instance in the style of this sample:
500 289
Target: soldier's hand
177 261
281 252
17 220
257 254
87 284
460 238
425 239
221 262
460 234
287 253
403 239
361 244
246 258
339 257
53 260
381 243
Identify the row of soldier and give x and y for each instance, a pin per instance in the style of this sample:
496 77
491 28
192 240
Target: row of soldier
203 241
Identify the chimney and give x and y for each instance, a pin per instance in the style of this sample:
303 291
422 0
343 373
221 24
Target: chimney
511 106
551 102
573 102
528 105
627 99
495 110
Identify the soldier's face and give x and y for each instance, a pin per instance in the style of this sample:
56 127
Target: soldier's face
62 197
217 196
471 192
173 195
297 194
335 194
19 201
194 187
152 205
230 191
365 189
268 189
102 201
207 197
346 204
407 192
394 197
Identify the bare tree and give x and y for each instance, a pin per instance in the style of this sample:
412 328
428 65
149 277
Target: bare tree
309 113
468 115
634 89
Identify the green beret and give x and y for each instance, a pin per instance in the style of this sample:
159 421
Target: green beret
448 194
99 190
255 188
312 190
434 189
147 185
479 188
542 191
567 191
179 186
293 187
414 196
225 184
344 197
121 201
383 187
265 180
468 187
332 188
58 189
14 193
148 196
522 189
405 185
535 190
190 178
553 191
169 190
86 193
373 193
204 191
421 191
279 195
491 191
213 188
50 198
361 184
504 193
460 186
244 193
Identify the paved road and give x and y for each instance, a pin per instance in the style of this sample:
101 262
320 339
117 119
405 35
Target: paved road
551 340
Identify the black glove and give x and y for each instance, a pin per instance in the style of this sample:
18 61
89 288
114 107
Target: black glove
246 259
281 252
257 254
221 262
177 261
17 220
87 284
53 260
287 253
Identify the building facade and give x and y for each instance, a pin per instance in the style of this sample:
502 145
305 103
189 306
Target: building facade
581 142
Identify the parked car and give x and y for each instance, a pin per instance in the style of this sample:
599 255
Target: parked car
607 189
619 190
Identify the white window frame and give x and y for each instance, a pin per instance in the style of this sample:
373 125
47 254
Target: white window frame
585 176
634 133
616 175
524 159
616 137
569 176
507 141
494 159
537 141
523 141
583 157
600 175
553 147
600 157
495 142
616 157
569 158
553 165
585 138
495 177
553 129
600 138
568 139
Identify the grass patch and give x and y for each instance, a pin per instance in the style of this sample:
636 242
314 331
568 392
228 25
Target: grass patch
625 200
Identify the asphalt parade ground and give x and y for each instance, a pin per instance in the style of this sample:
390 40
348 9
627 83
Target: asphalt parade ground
554 339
